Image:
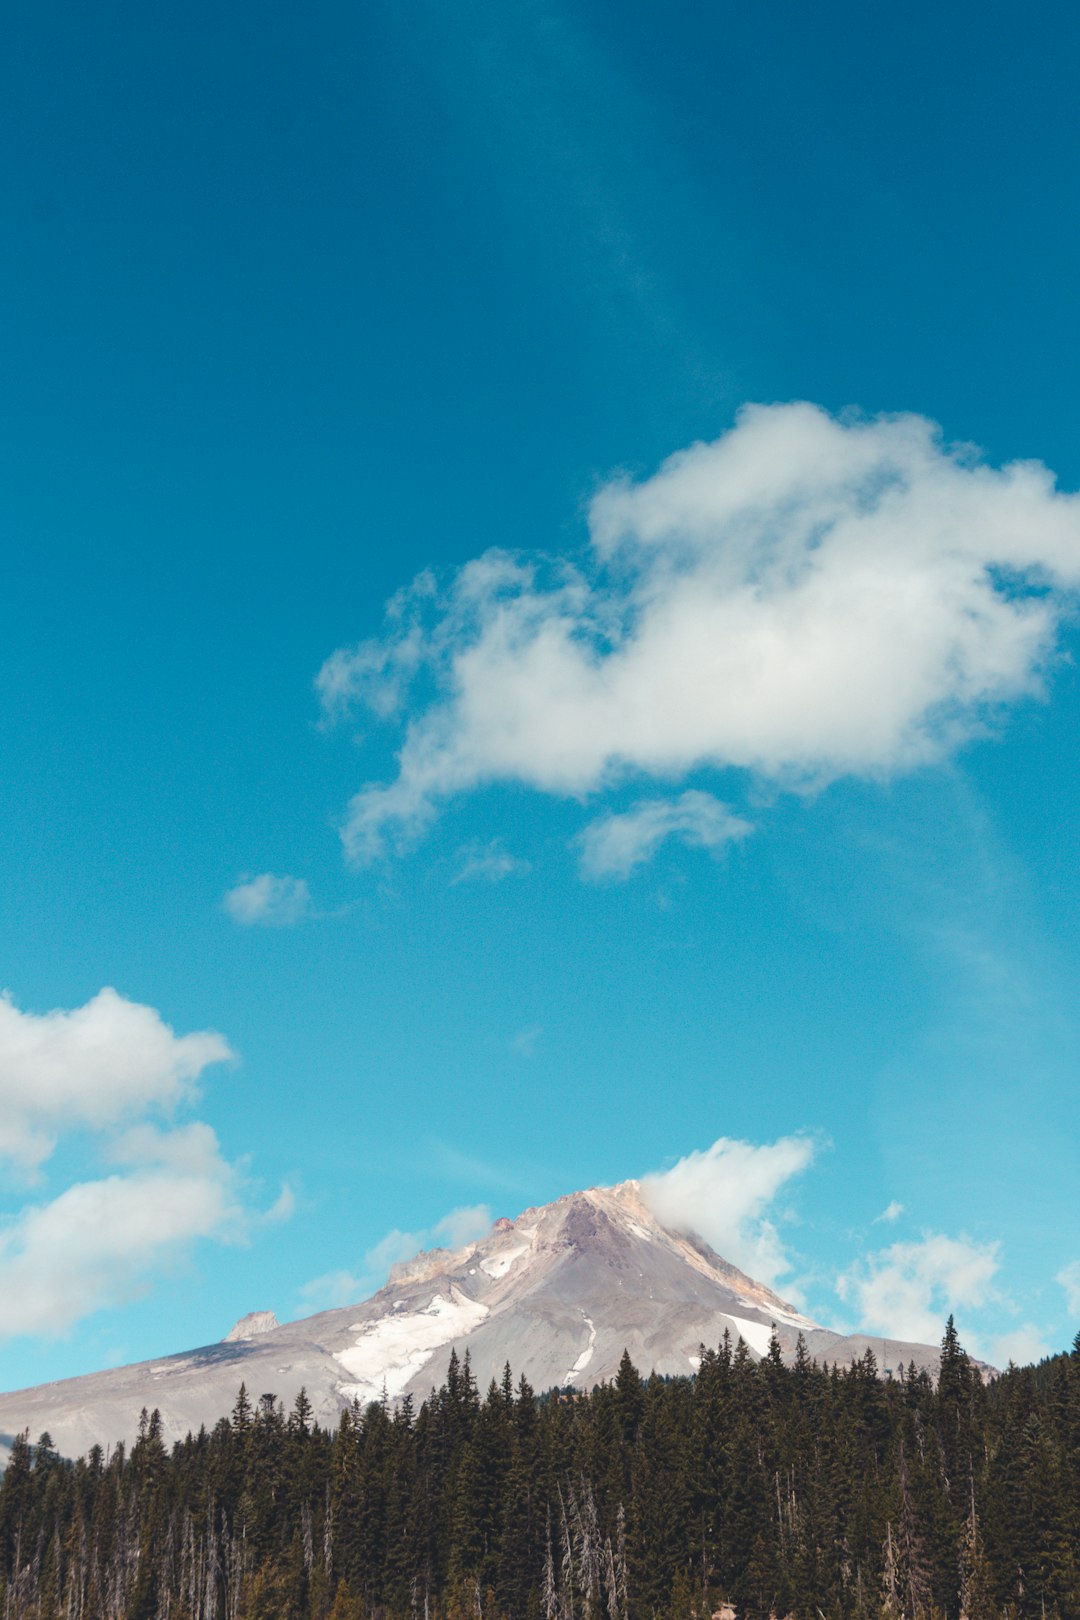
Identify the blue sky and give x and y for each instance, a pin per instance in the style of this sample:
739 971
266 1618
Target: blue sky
742 797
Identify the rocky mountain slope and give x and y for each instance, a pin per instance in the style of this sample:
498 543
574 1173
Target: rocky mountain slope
559 1293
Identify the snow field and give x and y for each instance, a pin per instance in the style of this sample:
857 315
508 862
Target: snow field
390 1352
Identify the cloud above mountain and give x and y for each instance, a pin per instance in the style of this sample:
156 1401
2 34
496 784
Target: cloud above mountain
347 1286
907 1290
808 597
726 1194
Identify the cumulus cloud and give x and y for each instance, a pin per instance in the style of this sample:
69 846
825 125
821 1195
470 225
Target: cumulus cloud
891 1212
99 1242
93 1066
347 1287
269 901
724 1194
908 1290
489 862
1023 1345
1069 1278
112 1068
613 845
806 598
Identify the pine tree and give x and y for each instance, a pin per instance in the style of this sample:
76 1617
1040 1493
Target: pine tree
976 1596
630 1397
794 1492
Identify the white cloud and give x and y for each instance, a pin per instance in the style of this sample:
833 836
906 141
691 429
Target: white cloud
104 1068
1023 1345
1069 1278
94 1066
347 1287
909 1289
282 1209
391 1249
376 674
335 1289
465 1225
489 862
612 845
269 901
891 1212
724 1194
806 598
99 1242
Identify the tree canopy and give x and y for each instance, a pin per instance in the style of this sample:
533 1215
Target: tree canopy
820 1493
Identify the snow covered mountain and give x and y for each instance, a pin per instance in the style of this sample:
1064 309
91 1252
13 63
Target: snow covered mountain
558 1293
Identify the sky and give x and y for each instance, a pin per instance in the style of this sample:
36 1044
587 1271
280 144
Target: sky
541 581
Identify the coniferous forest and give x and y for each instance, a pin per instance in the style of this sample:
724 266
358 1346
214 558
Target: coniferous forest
813 1492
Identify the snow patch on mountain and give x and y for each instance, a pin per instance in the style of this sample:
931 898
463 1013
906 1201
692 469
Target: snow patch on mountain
391 1351
756 1334
586 1355
498 1265
560 1293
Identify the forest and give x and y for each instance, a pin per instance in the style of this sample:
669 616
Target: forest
752 1489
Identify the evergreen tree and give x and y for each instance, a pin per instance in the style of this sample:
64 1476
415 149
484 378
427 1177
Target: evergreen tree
792 1491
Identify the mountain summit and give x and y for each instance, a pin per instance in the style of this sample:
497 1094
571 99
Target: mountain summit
559 1293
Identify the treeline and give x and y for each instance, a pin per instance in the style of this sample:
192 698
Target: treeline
813 1492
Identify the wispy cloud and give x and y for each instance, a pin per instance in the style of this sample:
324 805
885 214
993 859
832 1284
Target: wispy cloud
806 598
525 1041
488 863
727 1193
449 1163
614 844
891 1212
333 1289
907 1290
1023 1345
461 1226
467 1224
525 81
269 901
282 1209
1069 1278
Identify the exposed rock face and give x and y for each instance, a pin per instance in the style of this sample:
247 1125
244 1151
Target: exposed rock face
558 1293
251 1326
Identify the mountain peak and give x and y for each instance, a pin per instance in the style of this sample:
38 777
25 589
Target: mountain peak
559 1292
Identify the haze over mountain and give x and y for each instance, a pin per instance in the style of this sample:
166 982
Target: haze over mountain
559 1293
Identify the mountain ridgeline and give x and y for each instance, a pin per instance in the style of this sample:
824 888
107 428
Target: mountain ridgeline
560 1293
781 1489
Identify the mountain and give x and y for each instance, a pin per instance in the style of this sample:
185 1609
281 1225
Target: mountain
558 1293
